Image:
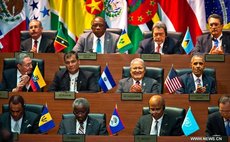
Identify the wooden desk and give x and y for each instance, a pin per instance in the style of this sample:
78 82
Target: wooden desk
58 138
129 111
117 61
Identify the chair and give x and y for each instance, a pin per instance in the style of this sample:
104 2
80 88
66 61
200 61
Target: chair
36 108
208 71
101 117
9 63
152 72
213 109
96 69
51 34
171 111
175 35
112 30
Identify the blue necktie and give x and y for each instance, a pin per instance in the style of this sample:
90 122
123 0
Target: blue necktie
198 82
227 127
216 42
98 45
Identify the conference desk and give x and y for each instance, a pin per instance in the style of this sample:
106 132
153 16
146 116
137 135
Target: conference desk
117 61
58 138
130 111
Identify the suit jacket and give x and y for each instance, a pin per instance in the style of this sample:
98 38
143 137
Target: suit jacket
215 125
149 85
93 127
170 46
29 122
46 45
85 42
86 82
170 126
188 84
204 44
9 80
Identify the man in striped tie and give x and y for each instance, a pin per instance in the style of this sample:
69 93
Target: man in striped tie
82 123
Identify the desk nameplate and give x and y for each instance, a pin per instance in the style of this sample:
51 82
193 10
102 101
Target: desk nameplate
64 95
87 56
145 138
151 57
4 94
73 138
131 96
214 57
199 97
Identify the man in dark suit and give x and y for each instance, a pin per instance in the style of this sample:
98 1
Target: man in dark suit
73 78
98 40
216 42
17 79
218 123
138 82
37 43
158 122
19 120
197 81
159 42
82 123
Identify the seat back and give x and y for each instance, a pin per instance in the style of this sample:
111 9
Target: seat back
9 63
175 35
213 109
101 117
50 34
112 30
207 71
36 108
152 72
96 69
172 111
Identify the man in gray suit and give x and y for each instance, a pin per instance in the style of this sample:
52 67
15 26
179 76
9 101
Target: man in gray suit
82 123
216 42
158 122
37 43
98 40
17 119
138 82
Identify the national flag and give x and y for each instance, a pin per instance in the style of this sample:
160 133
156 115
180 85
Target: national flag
115 124
187 43
172 82
46 122
39 10
37 81
60 42
106 81
124 43
75 15
189 125
180 14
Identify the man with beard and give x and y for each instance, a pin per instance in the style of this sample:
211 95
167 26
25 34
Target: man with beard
216 42
197 81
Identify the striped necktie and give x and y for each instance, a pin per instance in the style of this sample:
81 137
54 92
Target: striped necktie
81 129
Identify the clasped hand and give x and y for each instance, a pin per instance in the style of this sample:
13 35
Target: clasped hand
135 88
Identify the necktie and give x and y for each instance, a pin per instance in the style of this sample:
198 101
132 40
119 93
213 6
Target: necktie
98 45
198 82
16 127
35 45
81 129
215 42
158 48
156 127
227 127
138 82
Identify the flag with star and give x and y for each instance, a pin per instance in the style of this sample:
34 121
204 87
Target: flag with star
75 16
61 41
39 10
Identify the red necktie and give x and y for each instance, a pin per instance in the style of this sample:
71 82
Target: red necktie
35 45
158 48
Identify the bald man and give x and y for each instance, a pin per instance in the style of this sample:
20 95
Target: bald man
158 122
